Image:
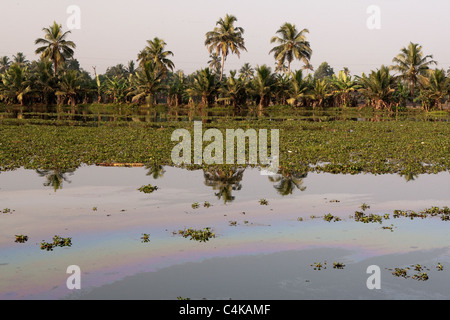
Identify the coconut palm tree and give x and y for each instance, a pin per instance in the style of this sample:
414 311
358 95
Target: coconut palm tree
225 39
4 64
411 63
155 51
298 87
15 84
233 90
43 80
263 84
204 85
292 45
69 86
319 92
378 87
435 88
246 72
147 82
55 46
214 62
20 59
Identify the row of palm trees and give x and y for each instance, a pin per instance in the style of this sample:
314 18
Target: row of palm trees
57 77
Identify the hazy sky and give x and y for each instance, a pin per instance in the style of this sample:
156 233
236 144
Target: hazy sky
115 31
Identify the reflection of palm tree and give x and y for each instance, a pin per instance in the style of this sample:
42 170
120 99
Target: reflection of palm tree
224 181
56 177
288 181
156 171
409 176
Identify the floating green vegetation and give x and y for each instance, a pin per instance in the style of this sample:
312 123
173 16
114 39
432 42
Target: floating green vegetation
371 218
364 207
333 146
94 209
7 210
423 276
391 227
57 242
329 217
444 213
338 265
400 272
21 238
232 223
148 188
145 237
439 267
181 298
198 235
299 219
206 204
319 265
263 202
195 205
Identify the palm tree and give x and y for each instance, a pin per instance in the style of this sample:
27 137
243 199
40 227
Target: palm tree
204 86
214 63
43 79
292 45
20 59
15 84
147 82
4 64
233 90
320 92
55 46
225 38
378 87
70 85
297 88
246 72
411 63
435 88
343 85
155 51
263 85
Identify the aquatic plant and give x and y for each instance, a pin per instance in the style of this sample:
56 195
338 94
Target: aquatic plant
263 202
400 272
57 242
21 238
338 265
195 205
233 223
423 276
206 204
148 188
198 235
145 237
329 217
319 265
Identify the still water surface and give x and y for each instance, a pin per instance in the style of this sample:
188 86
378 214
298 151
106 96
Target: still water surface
267 254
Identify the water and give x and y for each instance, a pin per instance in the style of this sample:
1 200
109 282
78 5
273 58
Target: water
267 254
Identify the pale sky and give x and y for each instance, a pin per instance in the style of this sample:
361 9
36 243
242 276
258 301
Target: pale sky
115 31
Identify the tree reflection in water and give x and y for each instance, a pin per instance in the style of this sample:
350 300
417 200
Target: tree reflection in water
224 181
55 177
288 181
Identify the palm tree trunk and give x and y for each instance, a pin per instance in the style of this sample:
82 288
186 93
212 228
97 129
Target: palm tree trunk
221 67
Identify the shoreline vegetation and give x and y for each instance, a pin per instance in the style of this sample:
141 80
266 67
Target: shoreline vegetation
56 77
55 116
